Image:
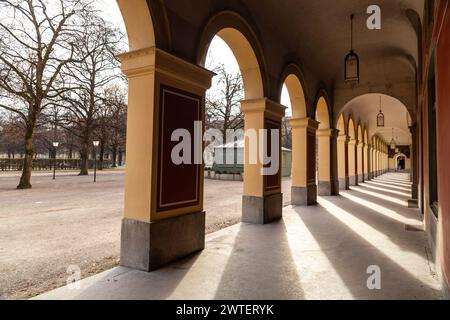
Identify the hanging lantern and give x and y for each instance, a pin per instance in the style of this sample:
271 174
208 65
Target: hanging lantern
380 117
351 60
393 144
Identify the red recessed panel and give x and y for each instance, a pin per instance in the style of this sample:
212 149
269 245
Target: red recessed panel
178 185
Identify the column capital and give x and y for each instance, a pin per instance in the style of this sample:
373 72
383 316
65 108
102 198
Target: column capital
327 133
343 138
304 123
150 60
265 105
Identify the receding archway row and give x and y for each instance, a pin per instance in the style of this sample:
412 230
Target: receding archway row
359 158
164 218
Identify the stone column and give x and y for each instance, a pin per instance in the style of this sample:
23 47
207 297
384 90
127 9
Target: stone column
262 200
360 148
163 219
367 162
304 188
342 146
352 162
378 163
325 187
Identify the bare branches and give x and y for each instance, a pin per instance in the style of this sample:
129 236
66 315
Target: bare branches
54 54
223 101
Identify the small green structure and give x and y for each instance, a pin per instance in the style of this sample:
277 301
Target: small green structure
234 152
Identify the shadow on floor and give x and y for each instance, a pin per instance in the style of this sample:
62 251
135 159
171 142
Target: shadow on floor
260 266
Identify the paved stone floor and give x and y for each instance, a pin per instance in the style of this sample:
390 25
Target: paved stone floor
72 221
319 252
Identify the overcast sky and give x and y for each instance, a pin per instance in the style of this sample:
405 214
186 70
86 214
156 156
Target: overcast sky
219 52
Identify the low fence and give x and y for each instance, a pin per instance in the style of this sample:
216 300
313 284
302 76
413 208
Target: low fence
47 164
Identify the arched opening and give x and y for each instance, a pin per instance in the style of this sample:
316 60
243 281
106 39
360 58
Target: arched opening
342 153
138 23
372 156
401 163
323 168
293 96
248 63
366 155
224 137
248 110
352 152
359 157
296 96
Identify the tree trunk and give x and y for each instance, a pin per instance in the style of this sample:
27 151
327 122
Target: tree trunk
114 156
25 179
84 155
101 156
120 157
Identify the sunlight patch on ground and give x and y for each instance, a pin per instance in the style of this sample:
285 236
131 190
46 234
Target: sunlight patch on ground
403 194
381 196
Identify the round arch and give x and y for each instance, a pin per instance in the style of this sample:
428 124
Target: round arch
351 129
359 132
292 77
243 42
324 170
147 24
341 125
398 165
322 113
406 101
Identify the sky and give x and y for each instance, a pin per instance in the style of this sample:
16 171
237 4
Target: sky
219 52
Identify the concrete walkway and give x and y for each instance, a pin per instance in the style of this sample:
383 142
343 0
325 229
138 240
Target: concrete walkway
319 252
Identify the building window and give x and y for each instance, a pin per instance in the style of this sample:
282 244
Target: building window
432 141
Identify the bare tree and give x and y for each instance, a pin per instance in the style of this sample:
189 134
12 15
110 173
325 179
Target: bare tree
11 135
36 42
112 124
223 107
286 133
90 77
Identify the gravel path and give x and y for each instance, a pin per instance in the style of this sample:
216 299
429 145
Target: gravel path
72 221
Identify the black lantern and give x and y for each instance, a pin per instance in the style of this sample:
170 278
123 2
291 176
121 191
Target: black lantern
393 143
380 117
351 60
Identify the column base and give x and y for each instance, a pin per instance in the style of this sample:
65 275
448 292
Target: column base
366 176
304 196
344 183
262 210
325 188
413 203
360 178
149 246
353 181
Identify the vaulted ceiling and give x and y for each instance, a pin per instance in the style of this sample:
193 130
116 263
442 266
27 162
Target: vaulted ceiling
365 109
316 36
